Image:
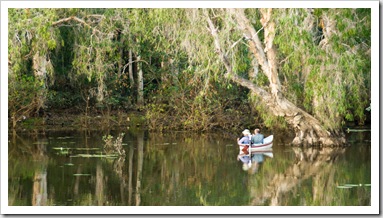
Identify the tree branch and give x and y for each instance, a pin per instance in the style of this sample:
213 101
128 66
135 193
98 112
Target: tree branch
213 32
129 63
307 128
241 81
267 61
233 45
64 20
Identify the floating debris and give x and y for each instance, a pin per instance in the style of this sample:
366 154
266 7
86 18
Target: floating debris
69 164
357 130
353 185
65 137
40 143
79 149
86 149
342 186
167 143
81 174
96 155
357 185
60 148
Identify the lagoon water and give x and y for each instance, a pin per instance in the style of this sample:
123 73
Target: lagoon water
66 168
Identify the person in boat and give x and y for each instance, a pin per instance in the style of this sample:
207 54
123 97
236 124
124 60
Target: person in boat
257 138
245 140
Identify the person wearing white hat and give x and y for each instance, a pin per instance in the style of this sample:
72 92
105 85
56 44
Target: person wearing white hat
245 140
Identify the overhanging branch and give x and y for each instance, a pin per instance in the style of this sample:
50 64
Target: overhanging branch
74 18
229 74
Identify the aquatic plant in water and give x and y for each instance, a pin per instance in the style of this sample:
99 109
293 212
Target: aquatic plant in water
114 147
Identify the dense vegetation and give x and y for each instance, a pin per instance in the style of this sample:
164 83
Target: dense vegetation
169 64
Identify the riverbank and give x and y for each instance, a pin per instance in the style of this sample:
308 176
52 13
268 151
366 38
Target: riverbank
71 120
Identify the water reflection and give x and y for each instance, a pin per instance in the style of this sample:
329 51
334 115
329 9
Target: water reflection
312 179
179 169
251 162
140 162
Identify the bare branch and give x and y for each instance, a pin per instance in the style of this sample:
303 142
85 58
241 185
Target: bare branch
129 63
213 32
286 58
260 30
64 20
253 39
233 45
265 54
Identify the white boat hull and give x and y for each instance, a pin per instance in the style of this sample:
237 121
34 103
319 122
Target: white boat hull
265 147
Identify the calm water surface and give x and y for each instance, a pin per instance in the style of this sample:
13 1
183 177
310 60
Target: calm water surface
183 169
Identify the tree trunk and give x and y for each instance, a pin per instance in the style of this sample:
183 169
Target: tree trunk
140 87
308 130
131 78
121 60
40 65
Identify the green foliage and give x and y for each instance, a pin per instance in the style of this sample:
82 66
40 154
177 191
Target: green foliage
30 70
323 56
156 116
22 99
324 66
62 99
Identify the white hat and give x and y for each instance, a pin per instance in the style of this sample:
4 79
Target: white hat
246 132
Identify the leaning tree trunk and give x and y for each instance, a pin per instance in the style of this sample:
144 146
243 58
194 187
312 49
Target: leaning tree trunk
308 130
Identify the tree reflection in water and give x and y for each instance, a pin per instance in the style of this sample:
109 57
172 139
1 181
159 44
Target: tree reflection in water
32 161
311 165
140 162
182 169
40 185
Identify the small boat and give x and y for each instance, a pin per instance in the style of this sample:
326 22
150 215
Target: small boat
264 147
